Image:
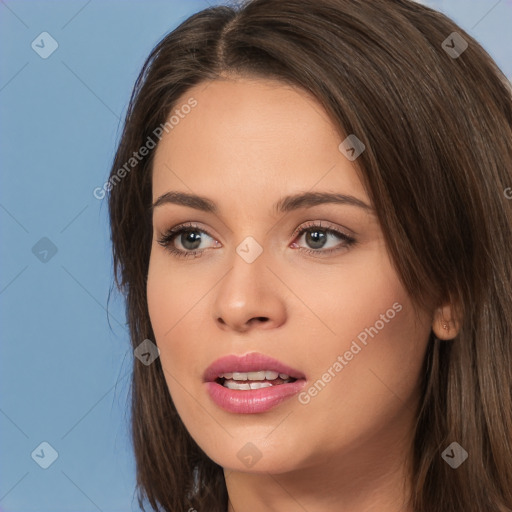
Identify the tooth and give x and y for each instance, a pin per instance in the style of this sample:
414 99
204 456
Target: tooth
230 384
259 385
256 375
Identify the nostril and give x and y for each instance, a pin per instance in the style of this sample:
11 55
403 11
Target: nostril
260 319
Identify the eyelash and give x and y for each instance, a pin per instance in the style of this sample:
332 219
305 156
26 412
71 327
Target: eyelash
167 239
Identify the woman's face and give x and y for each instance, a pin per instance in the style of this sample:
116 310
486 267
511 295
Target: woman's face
280 270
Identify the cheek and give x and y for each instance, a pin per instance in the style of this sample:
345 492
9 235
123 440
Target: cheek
375 355
163 293
363 300
175 303
168 297
392 335
173 292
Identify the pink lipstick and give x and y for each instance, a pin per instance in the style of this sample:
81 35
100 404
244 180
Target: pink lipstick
252 383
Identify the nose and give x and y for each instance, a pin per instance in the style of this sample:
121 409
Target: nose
249 296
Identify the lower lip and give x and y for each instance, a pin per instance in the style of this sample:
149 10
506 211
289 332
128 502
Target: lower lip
252 401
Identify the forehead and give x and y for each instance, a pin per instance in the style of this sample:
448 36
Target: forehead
249 137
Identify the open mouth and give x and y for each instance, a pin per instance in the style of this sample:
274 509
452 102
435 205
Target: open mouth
251 383
245 381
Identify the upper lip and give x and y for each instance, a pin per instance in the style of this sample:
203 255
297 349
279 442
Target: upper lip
251 362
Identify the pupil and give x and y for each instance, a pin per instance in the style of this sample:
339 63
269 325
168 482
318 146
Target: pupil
192 237
316 239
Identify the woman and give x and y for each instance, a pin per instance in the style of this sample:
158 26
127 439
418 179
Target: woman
310 221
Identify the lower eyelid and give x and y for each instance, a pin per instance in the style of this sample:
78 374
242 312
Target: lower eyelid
345 240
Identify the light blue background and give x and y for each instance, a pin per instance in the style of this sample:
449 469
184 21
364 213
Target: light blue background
64 375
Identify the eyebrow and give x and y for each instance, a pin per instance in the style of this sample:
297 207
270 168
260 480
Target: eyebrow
284 205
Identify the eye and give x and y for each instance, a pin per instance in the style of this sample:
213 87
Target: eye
317 236
189 236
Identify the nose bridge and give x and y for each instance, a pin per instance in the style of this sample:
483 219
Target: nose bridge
249 291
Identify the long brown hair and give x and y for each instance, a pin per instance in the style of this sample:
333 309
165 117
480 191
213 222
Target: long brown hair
437 127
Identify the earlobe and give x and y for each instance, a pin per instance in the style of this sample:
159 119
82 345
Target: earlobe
445 324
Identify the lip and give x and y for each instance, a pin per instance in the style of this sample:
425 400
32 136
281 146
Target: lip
256 400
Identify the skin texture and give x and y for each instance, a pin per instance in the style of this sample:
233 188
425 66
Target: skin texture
248 143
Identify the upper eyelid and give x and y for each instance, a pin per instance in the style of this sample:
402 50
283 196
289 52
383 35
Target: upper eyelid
299 230
346 241
321 224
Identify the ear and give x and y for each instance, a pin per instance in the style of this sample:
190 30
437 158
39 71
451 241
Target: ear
445 324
